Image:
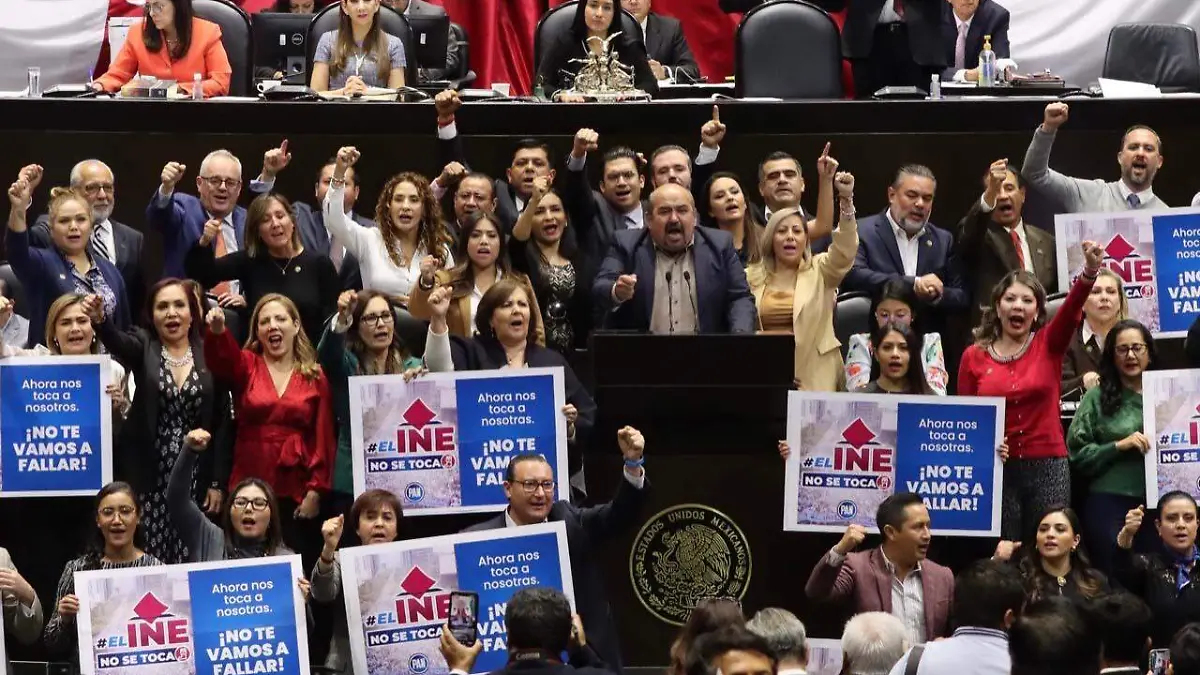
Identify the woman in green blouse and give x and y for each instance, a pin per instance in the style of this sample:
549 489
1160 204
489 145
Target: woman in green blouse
1106 442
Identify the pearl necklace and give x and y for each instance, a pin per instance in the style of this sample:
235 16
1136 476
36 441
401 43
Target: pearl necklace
182 362
1009 359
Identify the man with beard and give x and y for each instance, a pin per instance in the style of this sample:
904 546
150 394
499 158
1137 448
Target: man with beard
650 277
993 239
896 577
1140 159
901 243
115 242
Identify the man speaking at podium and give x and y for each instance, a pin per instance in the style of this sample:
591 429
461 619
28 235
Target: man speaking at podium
673 278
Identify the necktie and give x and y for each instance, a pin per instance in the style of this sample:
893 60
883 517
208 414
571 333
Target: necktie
1016 240
220 250
960 48
96 243
898 8
1133 200
336 252
630 223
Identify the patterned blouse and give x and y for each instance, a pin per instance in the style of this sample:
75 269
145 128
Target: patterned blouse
860 355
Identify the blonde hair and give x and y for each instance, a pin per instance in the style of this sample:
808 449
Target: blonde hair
1122 302
55 313
761 272
62 195
302 349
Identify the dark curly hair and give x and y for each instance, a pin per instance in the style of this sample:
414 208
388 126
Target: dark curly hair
432 233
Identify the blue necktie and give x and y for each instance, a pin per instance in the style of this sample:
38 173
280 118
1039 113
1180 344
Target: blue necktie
1134 201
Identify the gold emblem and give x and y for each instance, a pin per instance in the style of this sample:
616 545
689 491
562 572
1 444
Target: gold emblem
687 553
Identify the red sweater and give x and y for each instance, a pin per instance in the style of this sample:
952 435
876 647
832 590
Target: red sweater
1031 385
286 440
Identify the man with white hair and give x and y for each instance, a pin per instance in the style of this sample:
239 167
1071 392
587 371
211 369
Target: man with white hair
116 242
785 634
872 643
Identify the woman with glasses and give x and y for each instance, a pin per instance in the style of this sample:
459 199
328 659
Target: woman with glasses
171 43
362 340
894 304
117 543
1106 444
68 266
1105 306
274 261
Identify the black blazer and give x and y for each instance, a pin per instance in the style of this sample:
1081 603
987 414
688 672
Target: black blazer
589 530
128 243
723 300
451 150
1081 358
558 72
878 261
666 44
986 248
137 456
313 235
989 19
595 221
525 259
922 17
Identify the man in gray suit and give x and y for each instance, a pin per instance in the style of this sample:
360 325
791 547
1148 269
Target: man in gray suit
22 609
453 48
1140 159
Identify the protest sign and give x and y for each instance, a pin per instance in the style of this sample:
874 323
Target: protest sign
233 617
442 442
1156 254
398 594
852 451
824 656
1171 420
55 426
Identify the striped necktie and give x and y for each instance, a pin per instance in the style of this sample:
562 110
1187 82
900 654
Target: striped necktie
96 244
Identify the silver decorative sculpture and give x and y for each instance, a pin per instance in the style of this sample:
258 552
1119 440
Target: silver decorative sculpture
602 76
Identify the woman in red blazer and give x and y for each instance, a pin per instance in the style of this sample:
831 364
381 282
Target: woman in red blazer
171 44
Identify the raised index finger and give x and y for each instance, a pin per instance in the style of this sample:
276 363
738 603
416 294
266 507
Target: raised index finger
283 146
716 113
825 152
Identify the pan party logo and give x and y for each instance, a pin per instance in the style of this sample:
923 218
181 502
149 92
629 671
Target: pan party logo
685 554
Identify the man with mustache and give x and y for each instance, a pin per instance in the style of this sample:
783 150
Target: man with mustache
1140 158
115 242
649 279
901 243
993 239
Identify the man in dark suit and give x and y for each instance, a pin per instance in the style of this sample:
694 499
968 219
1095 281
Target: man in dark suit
893 43
115 242
964 23
674 277
670 57
453 47
598 215
866 579
993 240
529 487
673 164
901 243
531 159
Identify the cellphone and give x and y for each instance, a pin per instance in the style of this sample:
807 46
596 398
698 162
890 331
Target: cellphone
1159 658
464 617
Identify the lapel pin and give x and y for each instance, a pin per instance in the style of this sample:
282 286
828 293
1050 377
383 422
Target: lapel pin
928 242
62 276
297 268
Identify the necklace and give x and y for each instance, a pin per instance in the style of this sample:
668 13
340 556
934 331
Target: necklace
284 266
180 362
999 358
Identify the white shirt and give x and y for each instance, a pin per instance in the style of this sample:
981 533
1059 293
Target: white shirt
476 296
1020 230
888 13
908 601
1086 333
1145 195
910 247
670 78
228 233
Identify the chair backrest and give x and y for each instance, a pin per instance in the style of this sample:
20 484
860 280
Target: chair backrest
464 52
412 331
851 316
558 21
788 49
16 293
1053 302
235 37
393 23
1163 54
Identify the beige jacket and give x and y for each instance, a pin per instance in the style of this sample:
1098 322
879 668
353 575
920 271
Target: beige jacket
25 626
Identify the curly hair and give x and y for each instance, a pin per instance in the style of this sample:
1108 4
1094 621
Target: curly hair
989 329
303 350
1111 387
432 233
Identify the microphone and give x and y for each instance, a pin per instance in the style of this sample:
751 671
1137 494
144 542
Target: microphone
687 277
671 303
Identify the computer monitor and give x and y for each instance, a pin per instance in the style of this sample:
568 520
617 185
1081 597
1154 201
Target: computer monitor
279 41
431 36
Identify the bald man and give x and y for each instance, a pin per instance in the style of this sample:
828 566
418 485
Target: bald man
673 278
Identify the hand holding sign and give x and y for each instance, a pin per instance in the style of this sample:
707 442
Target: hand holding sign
68 607
785 450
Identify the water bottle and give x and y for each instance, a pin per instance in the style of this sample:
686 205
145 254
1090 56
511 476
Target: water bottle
197 88
987 64
935 87
539 89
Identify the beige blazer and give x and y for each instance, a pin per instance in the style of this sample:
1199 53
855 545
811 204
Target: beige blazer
818 355
25 628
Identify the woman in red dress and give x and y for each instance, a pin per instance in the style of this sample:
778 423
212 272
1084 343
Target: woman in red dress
284 414
1014 358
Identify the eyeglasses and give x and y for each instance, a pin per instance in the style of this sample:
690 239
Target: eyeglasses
531 486
156 7
124 511
92 189
216 182
382 317
257 504
1137 348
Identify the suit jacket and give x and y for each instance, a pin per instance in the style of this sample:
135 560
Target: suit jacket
181 220
26 629
128 243
922 17
137 452
589 530
878 261
986 248
315 237
451 150
593 218
864 578
1081 358
989 19
453 48
205 56
666 44
723 300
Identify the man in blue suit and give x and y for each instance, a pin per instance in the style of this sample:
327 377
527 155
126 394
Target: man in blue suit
964 23
901 243
673 277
